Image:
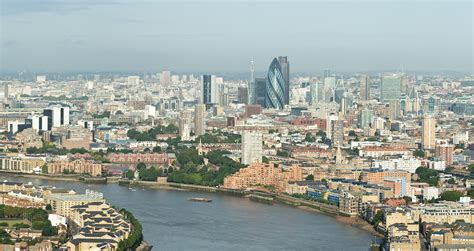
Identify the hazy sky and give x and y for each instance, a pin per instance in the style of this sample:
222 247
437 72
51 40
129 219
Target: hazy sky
212 36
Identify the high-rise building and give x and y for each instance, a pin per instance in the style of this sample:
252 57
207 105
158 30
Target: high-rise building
260 91
185 124
5 93
365 118
428 137
364 87
242 95
275 87
38 123
316 92
199 119
210 90
285 71
444 151
251 89
57 116
165 77
343 106
326 73
133 80
390 87
251 147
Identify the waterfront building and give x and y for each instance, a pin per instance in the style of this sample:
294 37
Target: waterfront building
63 204
251 147
100 225
79 166
199 119
161 159
428 137
390 88
261 174
275 88
21 164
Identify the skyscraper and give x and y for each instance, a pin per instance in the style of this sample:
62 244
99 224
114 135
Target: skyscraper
275 87
260 91
285 71
365 118
57 116
364 87
199 119
251 147
390 87
428 137
251 88
316 92
206 89
185 124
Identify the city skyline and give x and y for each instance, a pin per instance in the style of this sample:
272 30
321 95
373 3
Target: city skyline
55 36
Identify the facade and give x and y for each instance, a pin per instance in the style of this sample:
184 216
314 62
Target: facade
428 137
390 88
135 158
21 164
63 204
285 70
444 151
275 89
260 91
57 116
261 174
251 147
81 166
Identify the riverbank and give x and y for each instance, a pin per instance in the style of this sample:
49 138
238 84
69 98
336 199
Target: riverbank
257 196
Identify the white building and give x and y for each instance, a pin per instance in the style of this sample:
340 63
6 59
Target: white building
430 193
150 111
133 80
251 147
438 165
406 163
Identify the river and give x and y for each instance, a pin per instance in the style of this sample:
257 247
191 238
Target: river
171 222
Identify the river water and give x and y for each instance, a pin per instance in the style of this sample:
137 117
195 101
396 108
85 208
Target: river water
171 222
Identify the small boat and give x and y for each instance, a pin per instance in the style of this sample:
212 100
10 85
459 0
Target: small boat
133 190
200 199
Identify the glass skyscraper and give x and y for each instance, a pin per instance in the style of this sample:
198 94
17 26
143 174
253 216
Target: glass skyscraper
275 89
390 88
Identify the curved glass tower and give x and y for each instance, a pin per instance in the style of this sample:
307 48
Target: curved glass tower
275 87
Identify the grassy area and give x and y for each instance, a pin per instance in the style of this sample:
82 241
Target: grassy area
12 222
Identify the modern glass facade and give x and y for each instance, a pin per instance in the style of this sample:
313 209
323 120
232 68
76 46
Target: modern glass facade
275 87
390 88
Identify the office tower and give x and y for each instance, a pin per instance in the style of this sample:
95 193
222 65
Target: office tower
428 137
394 106
185 124
57 116
326 73
40 79
275 87
133 80
364 88
338 93
199 119
206 89
285 71
251 147
444 151
315 91
37 122
330 118
365 118
260 91
165 77
251 89
330 82
390 87
242 95
343 106
150 111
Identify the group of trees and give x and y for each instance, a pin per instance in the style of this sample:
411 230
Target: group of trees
219 137
148 174
309 137
427 175
135 238
451 195
192 171
37 217
150 135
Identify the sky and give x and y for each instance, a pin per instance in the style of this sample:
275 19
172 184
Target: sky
217 36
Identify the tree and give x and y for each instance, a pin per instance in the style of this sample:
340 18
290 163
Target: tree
378 217
170 169
283 153
452 181
310 177
157 149
309 137
427 175
129 174
141 166
48 207
352 133
451 195
44 169
470 193
419 153
265 160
